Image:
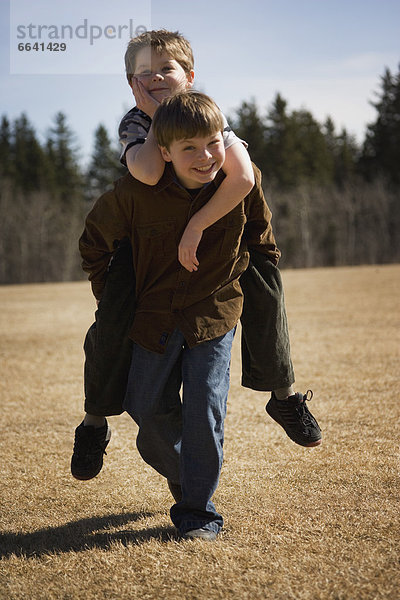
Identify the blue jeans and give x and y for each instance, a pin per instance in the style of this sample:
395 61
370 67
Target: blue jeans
183 439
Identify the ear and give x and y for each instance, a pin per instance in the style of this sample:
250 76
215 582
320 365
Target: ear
165 154
190 79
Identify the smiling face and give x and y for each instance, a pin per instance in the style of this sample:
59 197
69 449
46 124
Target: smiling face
161 74
196 160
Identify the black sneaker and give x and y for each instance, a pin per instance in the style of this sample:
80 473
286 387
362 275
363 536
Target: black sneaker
295 418
89 447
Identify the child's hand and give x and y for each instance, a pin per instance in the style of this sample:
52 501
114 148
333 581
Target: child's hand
144 101
188 246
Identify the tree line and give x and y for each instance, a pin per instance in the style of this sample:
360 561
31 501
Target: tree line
44 197
334 202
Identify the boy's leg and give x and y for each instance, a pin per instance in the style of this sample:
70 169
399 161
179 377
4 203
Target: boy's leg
153 401
205 370
108 349
107 360
266 360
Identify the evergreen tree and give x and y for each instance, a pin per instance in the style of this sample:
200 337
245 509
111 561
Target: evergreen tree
249 126
27 156
6 163
345 156
344 152
104 167
66 189
330 135
296 147
381 152
283 156
63 171
316 163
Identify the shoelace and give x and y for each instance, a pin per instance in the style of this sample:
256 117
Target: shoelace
303 410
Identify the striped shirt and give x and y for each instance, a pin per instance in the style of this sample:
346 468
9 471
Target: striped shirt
135 126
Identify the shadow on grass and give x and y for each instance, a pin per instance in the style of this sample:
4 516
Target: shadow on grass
81 535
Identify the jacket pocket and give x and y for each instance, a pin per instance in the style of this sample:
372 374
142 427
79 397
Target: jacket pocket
223 237
158 237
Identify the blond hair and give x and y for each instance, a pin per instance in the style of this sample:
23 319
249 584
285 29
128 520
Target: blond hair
161 40
186 115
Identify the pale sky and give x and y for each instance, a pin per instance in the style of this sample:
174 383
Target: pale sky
326 56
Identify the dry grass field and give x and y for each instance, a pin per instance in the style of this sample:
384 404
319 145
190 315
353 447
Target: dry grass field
301 523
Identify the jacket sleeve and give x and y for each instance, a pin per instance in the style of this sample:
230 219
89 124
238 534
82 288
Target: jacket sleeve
258 229
107 223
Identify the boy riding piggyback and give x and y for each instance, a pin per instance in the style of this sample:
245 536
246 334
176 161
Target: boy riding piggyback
159 64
